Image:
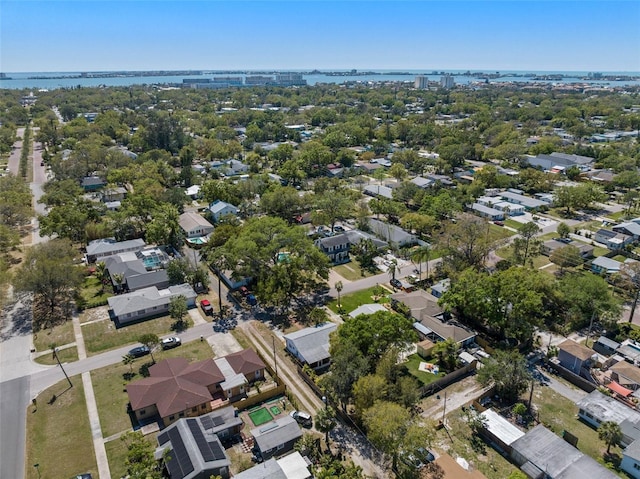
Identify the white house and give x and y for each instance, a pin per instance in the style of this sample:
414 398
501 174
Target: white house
311 345
147 302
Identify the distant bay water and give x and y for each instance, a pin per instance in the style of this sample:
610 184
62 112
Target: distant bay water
54 80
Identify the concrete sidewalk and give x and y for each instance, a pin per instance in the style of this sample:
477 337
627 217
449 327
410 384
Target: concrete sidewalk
92 408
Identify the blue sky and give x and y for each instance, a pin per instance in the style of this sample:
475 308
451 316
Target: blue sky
87 35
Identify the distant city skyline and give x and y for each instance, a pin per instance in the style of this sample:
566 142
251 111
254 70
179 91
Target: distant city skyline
53 36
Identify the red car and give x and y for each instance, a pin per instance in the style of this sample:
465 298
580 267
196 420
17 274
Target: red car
206 306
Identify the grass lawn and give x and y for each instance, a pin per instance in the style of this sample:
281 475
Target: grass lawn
58 335
599 251
412 364
109 384
103 335
498 232
459 443
560 414
59 435
619 257
66 355
512 223
92 294
538 262
117 454
353 300
352 271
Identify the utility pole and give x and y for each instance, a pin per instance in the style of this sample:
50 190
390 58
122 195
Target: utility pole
55 353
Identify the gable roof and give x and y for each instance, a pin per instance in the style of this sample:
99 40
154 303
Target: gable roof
391 233
109 245
630 228
220 206
275 433
312 343
145 298
628 371
367 309
192 449
191 220
337 240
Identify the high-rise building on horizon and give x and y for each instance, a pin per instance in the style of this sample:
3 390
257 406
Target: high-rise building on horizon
447 81
421 82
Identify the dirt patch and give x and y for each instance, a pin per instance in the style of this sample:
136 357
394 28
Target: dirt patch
94 314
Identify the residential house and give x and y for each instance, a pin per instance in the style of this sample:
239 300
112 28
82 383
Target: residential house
549 162
596 408
393 234
492 214
612 240
116 193
234 167
606 346
626 374
422 182
379 191
176 388
335 247
311 345
604 265
291 466
97 250
92 183
520 199
631 228
442 180
128 272
219 208
575 357
194 225
499 430
193 192
549 246
631 460
147 302
431 322
441 287
276 437
367 309
629 350
192 449
542 454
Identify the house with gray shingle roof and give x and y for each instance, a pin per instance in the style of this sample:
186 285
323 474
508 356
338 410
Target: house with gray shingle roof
276 437
99 249
194 225
219 208
147 302
311 345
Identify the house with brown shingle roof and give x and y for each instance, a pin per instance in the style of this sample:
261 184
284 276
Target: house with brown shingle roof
176 388
626 375
575 357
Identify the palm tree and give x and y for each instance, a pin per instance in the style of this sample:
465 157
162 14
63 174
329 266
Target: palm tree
118 278
102 274
445 352
326 421
393 269
422 255
338 287
610 433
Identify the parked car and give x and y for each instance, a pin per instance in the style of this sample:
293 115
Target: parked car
83 476
302 418
252 300
244 291
420 458
139 351
396 283
172 342
498 223
338 229
206 306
